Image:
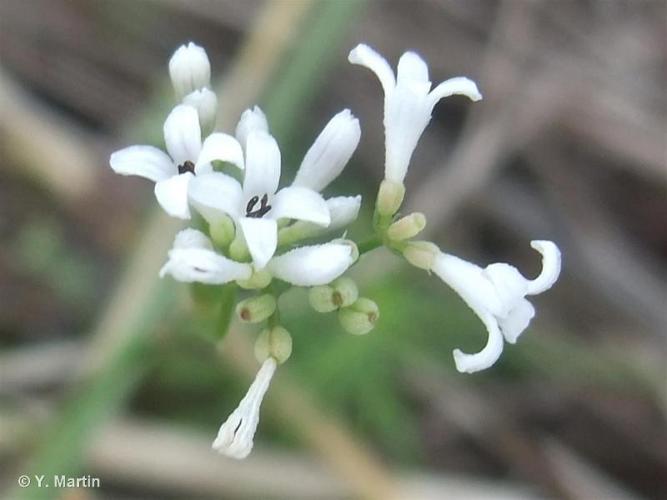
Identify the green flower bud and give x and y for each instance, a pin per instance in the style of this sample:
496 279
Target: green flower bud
258 280
276 343
340 293
321 299
390 197
345 292
360 317
222 231
256 309
421 254
407 227
238 250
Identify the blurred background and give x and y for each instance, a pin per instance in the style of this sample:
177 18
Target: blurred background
106 370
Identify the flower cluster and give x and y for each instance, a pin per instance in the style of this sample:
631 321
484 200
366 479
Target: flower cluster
251 231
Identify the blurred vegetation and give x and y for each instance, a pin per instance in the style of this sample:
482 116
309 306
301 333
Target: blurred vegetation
568 141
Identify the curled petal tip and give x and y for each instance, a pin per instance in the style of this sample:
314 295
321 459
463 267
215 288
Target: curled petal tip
470 363
551 266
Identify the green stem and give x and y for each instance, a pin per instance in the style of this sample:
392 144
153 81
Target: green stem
370 244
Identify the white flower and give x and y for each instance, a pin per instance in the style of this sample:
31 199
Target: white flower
235 437
256 206
497 295
189 69
192 259
187 157
312 265
330 152
408 103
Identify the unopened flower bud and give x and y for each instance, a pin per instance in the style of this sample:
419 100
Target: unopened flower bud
256 309
345 292
206 103
407 227
259 279
421 254
390 197
275 342
340 293
360 317
222 231
252 120
189 69
321 299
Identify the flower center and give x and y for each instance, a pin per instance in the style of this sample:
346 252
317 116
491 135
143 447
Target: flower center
264 207
187 166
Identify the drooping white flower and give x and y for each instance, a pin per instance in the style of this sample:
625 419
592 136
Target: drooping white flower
189 69
257 205
235 437
497 295
312 265
192 259
408 103
187 157
330 152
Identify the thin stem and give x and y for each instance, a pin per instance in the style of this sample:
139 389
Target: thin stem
370 244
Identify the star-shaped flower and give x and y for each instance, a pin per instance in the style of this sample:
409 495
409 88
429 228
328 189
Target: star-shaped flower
257 204
187 158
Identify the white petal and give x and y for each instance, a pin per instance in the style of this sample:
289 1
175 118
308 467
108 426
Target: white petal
407 113
510 285
470 363
206 103
330 152
145 161
312 265
517 320
459 85
343 210
189 69
262 172
223 147
203 266
252 120
411 69
235 437
261 236
191 238
363 55
551 264
172 195
215 195
182 134
469 281
301 204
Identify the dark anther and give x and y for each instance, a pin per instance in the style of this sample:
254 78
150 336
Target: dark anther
261 211
187 166
251 204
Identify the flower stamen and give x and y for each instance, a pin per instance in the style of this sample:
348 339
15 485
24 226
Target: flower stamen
262 210
187 166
